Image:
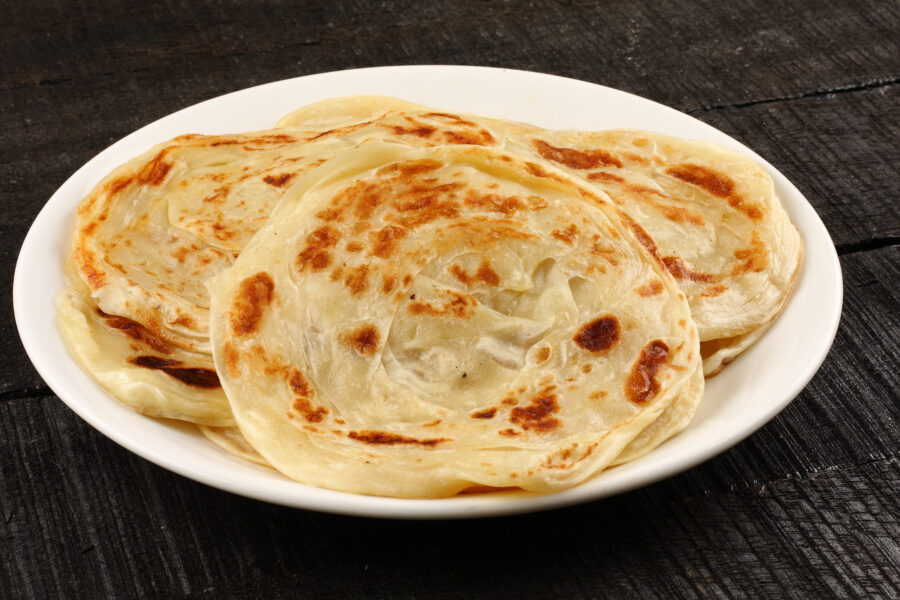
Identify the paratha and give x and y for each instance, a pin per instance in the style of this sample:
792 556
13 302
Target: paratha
414 322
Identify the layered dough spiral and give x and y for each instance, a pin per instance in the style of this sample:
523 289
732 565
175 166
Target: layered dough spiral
417 322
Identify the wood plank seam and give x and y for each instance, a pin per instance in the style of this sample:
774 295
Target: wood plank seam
862 87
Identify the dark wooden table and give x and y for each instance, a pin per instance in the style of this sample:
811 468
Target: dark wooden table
808 506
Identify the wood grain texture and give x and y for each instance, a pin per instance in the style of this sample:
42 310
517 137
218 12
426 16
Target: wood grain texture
703 54
805 507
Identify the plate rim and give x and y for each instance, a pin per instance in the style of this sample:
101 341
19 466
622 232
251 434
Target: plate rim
298 495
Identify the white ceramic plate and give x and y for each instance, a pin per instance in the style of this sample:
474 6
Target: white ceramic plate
741 399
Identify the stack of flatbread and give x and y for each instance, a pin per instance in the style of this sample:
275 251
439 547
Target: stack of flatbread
381 298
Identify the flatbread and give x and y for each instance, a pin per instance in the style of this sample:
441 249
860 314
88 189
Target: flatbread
415 322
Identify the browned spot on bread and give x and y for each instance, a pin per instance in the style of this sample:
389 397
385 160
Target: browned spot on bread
361 198
482 137
152 173
382 438
256 142
604 176
651 289
509 432
754 259
385 240
542 354
222 232
537 203
299 384
568 457
420 130
185 321
279 180
354 246
598 335
606 253
417 167
316 254
357 279
713 291
641 385
676 213
538 415
232 357
309 411
360 227
156 170
413 167
642 236
417 208
254 294
506 205
218 195
717 184
341 130
181 254
117 185
576 159
568 235
192 376
459 305
679 270
388 283
332 213
485 274
364 339
87 261
537 170
136 331
487 413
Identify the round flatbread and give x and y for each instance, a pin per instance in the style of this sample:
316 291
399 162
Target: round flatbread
413 323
